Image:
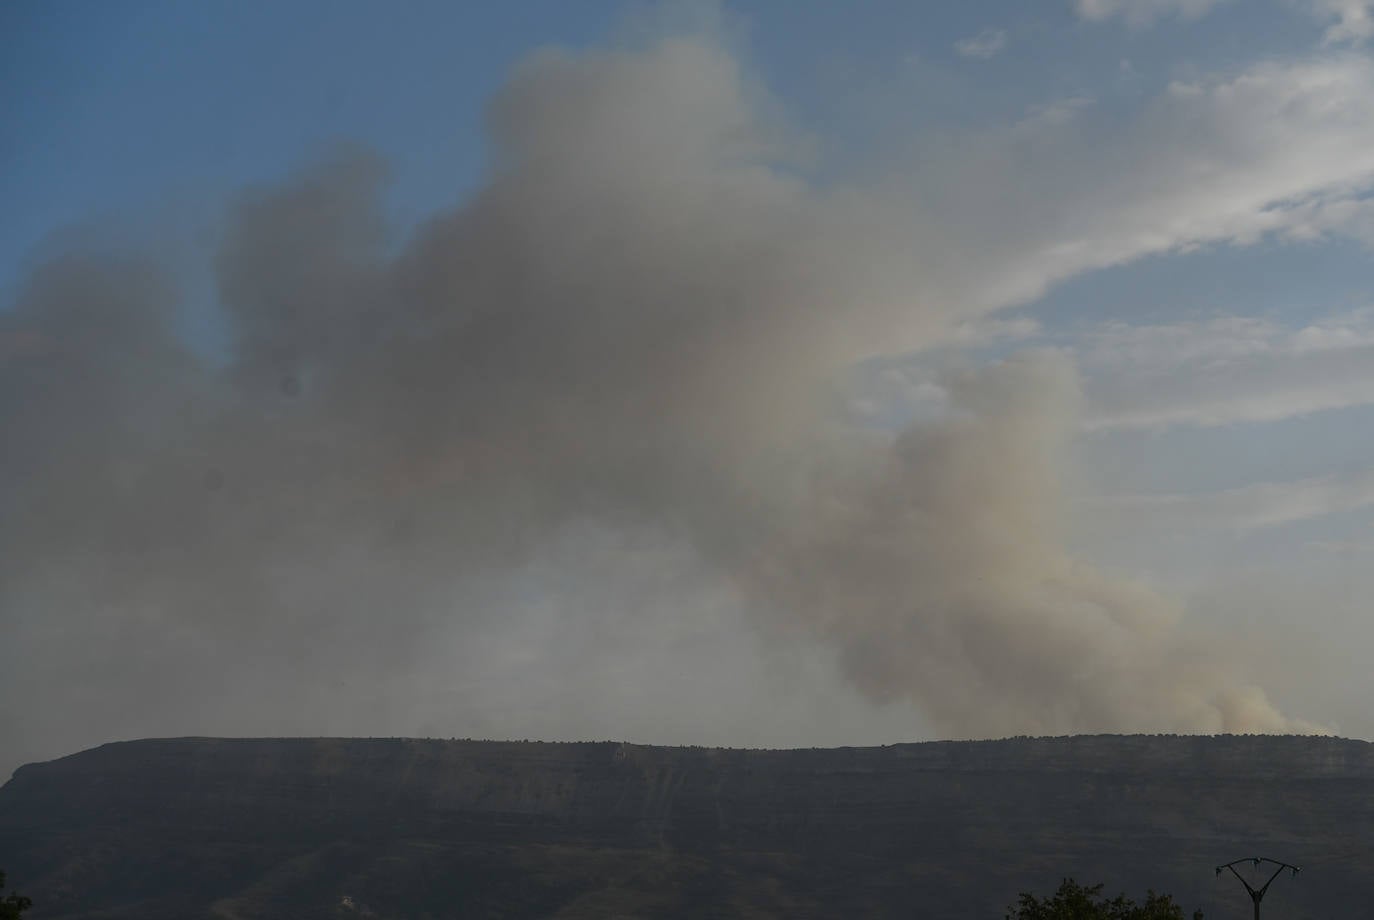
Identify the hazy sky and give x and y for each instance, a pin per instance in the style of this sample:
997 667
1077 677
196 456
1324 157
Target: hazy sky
746 374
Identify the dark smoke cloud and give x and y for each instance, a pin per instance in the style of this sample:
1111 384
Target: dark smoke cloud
600 390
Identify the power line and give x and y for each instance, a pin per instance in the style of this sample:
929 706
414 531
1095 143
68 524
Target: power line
1362 852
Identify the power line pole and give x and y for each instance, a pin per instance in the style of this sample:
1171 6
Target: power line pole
1257 894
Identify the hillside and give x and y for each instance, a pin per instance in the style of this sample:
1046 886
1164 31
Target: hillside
335 828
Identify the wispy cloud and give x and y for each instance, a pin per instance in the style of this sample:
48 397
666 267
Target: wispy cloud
1054 113
1342 547
1348 21
1143 12
1281 149
1226 370
1260 505
1225 338
986 44
1350 216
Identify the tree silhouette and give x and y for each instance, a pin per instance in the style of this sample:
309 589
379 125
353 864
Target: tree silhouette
13 905
1078 902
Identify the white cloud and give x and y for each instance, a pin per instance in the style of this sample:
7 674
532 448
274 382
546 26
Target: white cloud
895 392
1227 370
1342 547
986 44
1222 371
1282 148
1266 504
985 220
992 220
1225 338
1055 113
1351 216
1143 12
988 330
1350 21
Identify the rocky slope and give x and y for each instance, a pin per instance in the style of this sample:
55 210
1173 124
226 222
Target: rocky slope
330 828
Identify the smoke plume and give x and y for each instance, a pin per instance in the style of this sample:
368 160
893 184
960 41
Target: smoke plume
595 402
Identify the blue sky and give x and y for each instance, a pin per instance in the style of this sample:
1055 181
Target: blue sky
1171 199
112 106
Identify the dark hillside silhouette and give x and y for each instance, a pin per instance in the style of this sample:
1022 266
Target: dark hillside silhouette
334 828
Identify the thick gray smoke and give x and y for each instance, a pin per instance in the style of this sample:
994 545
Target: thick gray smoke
594 403
939 571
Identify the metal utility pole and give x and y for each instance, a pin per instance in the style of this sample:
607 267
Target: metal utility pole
1257 894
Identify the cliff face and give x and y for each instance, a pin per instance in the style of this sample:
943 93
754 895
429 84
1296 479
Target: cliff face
331 828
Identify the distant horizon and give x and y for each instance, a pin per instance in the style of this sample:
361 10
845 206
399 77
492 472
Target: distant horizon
614 741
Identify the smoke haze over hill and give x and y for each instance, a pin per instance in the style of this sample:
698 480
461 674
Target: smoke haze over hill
570 459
